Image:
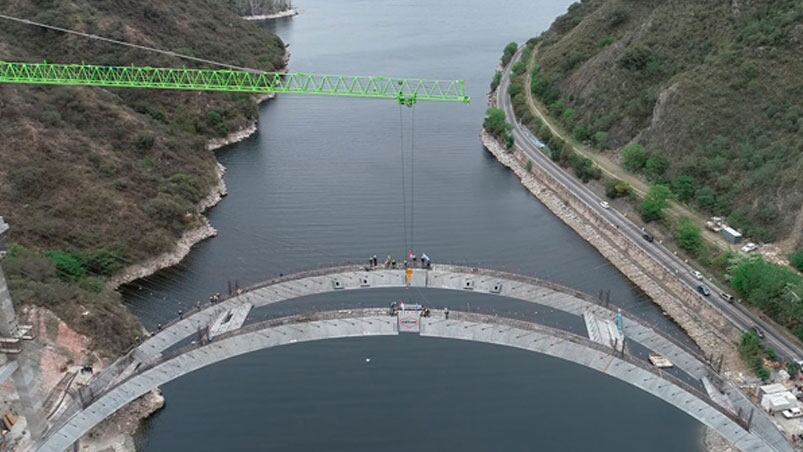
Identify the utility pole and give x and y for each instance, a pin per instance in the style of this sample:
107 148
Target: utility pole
12 336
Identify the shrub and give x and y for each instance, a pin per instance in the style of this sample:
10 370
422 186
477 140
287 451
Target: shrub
495 123
70 265
496 80
683 187
581 133
600 140
605 42
106 262
145 142
508 53
706 198
634 157
514 89
168 211
655 167
797 259
652 208
584 168
185 186
616 188
529 166
775 290
689 236
569 117
556 108
519 68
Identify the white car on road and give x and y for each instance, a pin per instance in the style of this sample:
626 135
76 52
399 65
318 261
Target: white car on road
604 204
697 275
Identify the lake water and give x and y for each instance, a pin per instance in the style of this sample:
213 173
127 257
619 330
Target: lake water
320 184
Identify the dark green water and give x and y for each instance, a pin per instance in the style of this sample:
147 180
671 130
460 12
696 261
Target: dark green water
320 184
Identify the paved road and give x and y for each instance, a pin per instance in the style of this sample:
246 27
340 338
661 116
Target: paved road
736 313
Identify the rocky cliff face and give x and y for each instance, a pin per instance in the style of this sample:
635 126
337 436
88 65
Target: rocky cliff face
712 87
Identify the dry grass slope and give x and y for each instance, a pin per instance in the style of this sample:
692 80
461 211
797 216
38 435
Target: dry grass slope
93 179
712 86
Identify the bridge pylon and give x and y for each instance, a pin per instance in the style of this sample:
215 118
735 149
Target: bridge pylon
12 335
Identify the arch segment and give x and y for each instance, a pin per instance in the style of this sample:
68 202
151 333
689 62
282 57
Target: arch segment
166 341
374 322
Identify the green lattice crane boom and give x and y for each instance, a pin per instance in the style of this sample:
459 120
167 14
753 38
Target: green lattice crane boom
405 91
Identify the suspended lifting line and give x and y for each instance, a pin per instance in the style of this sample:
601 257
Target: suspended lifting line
404 183
129 44
412 177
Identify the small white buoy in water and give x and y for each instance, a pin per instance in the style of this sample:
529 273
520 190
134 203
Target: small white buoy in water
368 360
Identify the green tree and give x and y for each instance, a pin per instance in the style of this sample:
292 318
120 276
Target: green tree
683 187
519 68
508 53
634 157
776 290
652 208
655 167
514 89
556 108
496 124
797 259
496 80
600 139
569 117
706 197
689 236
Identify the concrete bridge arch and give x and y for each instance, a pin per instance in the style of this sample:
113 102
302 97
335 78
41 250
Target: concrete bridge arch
162 358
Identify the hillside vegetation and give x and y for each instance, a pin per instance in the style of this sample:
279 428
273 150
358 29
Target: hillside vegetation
708 92
92 180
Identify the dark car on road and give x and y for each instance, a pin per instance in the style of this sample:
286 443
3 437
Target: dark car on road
648 237
758 331
703 290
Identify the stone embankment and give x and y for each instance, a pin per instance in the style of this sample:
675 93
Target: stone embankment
706 326
286 13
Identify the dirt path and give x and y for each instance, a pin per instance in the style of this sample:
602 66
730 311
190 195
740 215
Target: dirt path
611 168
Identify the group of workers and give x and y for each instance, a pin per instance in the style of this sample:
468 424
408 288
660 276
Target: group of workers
412 261
397 306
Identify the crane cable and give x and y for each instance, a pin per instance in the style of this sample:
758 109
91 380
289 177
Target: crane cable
412 178
129 44
404 181
409 238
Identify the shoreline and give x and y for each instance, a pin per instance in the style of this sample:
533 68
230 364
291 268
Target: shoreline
695 320
281 14
565 209
119 431
196 235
